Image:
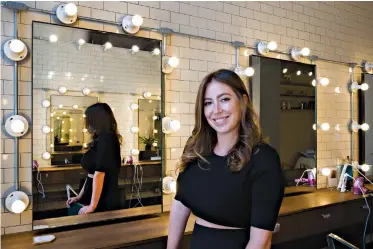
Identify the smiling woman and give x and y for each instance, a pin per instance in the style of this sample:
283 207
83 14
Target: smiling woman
226 165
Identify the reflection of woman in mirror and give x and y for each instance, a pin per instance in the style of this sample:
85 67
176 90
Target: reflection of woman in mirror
102 161
231 179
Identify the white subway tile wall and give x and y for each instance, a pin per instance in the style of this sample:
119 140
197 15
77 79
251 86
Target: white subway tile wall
332 30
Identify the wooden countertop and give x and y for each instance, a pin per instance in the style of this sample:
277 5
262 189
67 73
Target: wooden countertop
78 166
134 232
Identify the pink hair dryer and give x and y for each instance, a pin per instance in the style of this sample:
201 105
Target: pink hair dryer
358 187
311 179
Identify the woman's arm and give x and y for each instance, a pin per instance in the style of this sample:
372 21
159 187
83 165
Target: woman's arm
259 239
98 182
178 219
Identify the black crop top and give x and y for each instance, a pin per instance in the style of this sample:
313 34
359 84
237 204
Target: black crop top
103 156
250 197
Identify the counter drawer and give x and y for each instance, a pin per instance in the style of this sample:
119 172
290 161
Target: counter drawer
313 222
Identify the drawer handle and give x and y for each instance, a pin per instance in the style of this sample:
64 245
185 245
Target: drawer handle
325 216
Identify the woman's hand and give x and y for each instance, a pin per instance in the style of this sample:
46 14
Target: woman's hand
86 210
72 200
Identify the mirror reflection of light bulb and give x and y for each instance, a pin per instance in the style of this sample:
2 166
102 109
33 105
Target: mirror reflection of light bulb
107 46
75 106
299 72
52 145
155 144
147 94
84 130
134 152
314 127
246 52
134 106
86 91
365 167
310 74
272 45
17 126
70 140
365 127
155 117
325 171
46 155
85 145
134 129
137 20
62 89
64 113
156 51
53 38
313 82
135 49
249 71
284 70
173 61
16 46
325 126
337 89
46 129
70 130
45 103
324 81
337 127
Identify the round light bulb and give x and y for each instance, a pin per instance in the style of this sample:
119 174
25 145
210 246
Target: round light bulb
134 106
155 144
313 82
62 89
325 171
53 38
70 130
84 130
325 126
60 106
134 129
17 46
134 152
337 89
86 91
156 51
64 113
46 129
137 20
52 145
246 52
175 125
70 140
364 86
314 127
71 9
284 70
135 48
337 127
299 72
155 131
81 42
45 103
249 71
147 94
272 45
155 117
365 167
173 61
75 106
18 206
305 52
46 155
108 45
365 127
17 126
310 74
324 81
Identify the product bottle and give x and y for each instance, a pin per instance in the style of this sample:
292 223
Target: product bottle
349 171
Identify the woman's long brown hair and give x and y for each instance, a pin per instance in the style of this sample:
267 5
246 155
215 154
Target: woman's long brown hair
100 118
204 138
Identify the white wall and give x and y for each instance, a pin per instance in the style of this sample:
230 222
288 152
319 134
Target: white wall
339 31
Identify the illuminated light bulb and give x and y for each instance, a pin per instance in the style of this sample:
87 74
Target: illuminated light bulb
246 52
314 127
86 91
337 127
84 116
155 117
249 71
134 106
135 49
53 38
64 113
299 72
272 45
155 131
134 152
71 130
46 129
17 46
107 46
325 171
365 167
71 9
52 130
314 82
85 145
324 81
81 42
134 129
71 119
70 140
310 74
175 125
337 89
365 127
18 206
52 145
45 103
325 126
84 130
62 90
364 86
284 70
17 126
62 139
63 123
58 117
137 20
173 61
305 52
350 69
147 94
46 155
75 106
156 51
155 144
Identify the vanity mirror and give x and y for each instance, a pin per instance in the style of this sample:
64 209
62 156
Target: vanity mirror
283 94
72 69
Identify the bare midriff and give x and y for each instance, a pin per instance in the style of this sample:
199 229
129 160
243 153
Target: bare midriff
205 223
